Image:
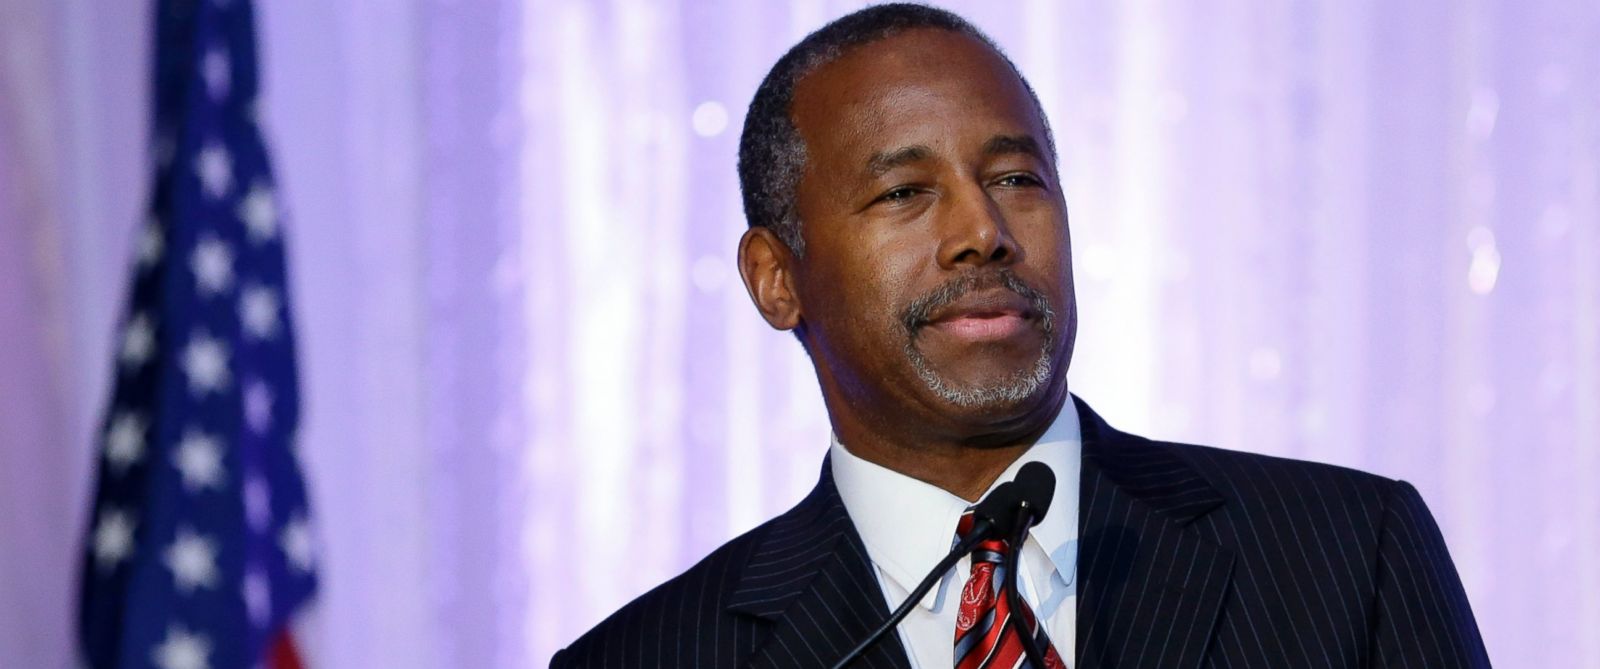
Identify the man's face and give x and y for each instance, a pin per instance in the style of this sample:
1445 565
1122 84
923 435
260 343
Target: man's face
937 277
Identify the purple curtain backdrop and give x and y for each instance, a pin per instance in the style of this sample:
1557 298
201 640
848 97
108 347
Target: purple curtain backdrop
1358 232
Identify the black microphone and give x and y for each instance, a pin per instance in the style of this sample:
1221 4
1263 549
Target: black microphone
1013 503
1036 486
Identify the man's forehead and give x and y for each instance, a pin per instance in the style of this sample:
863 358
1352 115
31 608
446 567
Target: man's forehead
905 93
900 63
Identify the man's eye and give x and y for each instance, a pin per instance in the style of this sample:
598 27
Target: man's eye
898 194
1019 180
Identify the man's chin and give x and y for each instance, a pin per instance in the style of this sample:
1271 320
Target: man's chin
999 393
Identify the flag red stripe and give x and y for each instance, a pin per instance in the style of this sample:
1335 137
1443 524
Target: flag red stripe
281 653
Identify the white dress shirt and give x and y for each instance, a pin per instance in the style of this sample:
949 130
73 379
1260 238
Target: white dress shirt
908 525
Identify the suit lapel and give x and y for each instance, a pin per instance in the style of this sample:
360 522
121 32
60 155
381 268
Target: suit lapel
1150 586
811 579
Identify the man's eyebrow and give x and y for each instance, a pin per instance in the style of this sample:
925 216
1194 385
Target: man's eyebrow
883 161
1005 144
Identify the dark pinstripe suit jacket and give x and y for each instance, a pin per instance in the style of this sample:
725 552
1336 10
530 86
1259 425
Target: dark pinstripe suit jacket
1189 557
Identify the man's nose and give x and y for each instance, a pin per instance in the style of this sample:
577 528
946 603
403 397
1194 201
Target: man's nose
974 231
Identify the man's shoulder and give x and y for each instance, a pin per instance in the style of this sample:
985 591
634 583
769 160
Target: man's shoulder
1290 490
681 610
1251 481
1243 472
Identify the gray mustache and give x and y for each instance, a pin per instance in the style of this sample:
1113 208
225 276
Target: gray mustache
919 312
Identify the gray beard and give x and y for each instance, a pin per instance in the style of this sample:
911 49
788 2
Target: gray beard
1022 385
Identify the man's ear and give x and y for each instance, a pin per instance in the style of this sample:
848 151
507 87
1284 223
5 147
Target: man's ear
767 266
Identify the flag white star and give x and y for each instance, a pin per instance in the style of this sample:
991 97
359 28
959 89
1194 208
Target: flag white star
125 440
198 460
257 503
259 211
113 538
258 407
205 362
212 264
138 341
182 650
257 593
217 72
258 311
192 559
150 244
215 168
295 540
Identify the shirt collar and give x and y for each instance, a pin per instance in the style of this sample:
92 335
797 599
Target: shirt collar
908 525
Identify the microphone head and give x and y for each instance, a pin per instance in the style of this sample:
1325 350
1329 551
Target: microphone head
999 507
1036 485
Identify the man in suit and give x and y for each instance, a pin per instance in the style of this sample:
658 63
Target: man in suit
908 224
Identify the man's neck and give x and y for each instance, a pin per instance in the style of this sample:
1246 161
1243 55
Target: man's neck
964 465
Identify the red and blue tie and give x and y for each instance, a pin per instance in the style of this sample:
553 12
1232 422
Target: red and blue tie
985 639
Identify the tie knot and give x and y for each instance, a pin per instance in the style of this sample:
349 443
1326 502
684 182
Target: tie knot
988 550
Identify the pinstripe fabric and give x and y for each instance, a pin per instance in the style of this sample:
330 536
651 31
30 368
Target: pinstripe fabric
1200 557
798 591
1189 557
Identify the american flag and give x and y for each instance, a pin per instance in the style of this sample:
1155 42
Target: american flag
199 552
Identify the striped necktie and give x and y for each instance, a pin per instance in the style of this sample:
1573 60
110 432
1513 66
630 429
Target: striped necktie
984 637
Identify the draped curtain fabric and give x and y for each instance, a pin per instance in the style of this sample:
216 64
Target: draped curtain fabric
1362 233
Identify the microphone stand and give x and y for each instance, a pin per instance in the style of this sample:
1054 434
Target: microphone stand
980 531
1030 645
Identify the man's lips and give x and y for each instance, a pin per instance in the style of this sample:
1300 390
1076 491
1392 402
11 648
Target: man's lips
988 326
984 316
